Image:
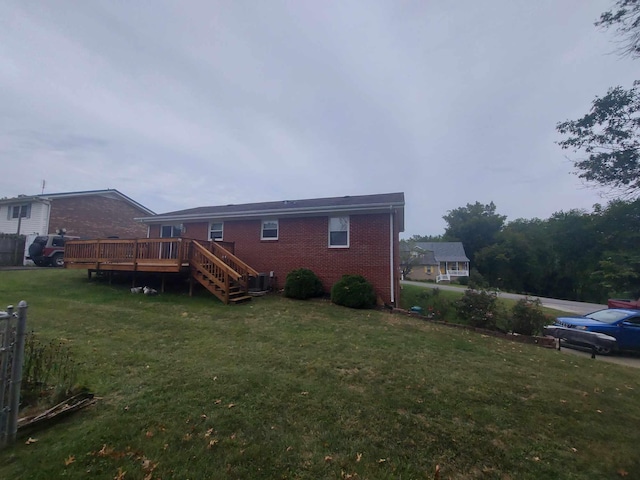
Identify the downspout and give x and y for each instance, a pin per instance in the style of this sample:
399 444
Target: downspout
391 257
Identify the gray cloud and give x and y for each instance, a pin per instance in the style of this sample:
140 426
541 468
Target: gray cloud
204 103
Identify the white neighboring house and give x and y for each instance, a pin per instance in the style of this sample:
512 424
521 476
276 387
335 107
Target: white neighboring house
25 215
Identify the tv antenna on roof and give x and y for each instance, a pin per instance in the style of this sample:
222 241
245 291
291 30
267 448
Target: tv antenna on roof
43 184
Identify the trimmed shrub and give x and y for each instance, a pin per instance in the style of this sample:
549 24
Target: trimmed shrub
527 317
353 291
302 284
478 308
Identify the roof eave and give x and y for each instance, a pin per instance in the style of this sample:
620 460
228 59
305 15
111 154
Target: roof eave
367 208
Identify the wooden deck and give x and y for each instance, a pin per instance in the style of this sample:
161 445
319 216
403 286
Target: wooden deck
134 255
213 264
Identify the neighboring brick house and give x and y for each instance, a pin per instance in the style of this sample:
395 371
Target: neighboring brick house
331 236
89 214
438 261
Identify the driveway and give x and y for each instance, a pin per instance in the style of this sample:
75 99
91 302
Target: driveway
577 308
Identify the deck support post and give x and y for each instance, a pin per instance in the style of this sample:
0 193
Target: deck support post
110 276
191 285
162 287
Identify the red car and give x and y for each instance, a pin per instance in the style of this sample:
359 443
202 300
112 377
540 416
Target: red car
623 303
49 250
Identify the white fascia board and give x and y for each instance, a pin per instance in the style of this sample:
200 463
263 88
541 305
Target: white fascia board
275 213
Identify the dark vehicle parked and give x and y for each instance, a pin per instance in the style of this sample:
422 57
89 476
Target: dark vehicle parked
622 324
48 250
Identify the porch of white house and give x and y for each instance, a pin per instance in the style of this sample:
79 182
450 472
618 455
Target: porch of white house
449 270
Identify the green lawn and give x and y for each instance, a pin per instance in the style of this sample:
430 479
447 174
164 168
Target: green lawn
276 388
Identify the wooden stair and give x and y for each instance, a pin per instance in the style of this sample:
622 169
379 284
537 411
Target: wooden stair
220 272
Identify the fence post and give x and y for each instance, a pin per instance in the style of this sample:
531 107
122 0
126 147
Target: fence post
5 355
16 373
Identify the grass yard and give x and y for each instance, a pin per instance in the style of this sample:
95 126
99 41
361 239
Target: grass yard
192 389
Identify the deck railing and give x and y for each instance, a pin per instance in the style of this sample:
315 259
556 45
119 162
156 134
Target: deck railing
212 272
158 252
234 262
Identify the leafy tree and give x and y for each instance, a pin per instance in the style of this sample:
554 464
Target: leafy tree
409 256
626 20
609 135
618 268
426 238
475 225
515 261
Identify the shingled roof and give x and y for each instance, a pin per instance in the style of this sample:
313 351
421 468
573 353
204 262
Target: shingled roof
348 204
444 251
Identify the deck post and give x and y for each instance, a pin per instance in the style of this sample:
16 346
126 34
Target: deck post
191 285
162 286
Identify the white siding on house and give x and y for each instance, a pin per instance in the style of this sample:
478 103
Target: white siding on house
36 223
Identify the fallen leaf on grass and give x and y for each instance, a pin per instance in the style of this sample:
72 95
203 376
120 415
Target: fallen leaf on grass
203 416
328 458
187 437
304 393
622 473
218 401
149 434
289 448
358 457
599 411
382 460
120 475
348 476
68 461
105 451
208 433
30 441
212 443
231 405
574 450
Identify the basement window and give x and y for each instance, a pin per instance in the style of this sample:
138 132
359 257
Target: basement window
269 230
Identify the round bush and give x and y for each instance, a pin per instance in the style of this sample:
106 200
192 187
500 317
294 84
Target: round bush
353 291
302 284
528 318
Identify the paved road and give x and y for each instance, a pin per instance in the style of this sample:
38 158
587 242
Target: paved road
577 308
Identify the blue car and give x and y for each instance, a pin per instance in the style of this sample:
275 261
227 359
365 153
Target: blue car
620 323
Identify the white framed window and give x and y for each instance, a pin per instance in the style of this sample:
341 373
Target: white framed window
339 232
216 231
269 230
19 211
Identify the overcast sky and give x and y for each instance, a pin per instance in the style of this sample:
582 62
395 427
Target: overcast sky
193 103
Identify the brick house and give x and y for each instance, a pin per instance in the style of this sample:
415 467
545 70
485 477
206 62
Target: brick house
331 236
91 214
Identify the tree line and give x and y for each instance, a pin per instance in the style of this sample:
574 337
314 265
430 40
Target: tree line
574 255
